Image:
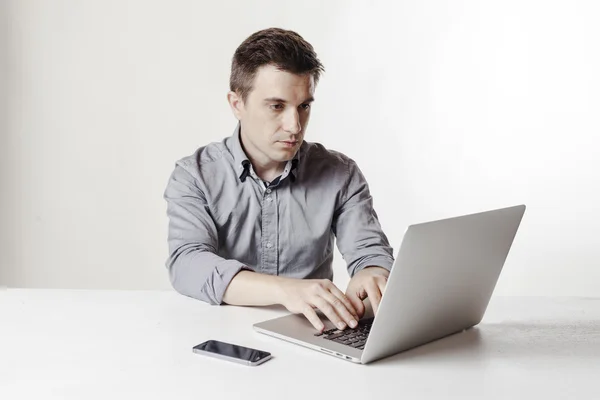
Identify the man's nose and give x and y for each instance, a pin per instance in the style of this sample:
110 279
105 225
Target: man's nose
292 123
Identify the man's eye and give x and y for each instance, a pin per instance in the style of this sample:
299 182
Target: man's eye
305 106
277 107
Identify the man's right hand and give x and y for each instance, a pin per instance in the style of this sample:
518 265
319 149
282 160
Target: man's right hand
305 295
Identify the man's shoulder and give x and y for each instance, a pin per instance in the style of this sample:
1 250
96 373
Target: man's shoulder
316 153
205 157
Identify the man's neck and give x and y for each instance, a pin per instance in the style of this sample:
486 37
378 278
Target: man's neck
268 172
266 169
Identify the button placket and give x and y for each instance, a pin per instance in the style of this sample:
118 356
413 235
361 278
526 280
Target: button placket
269 232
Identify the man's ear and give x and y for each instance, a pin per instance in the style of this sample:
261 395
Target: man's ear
236 103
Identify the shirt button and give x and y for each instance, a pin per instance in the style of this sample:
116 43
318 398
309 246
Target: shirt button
269 245
268 190
269 199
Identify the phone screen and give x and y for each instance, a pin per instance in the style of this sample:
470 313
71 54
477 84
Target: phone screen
232 350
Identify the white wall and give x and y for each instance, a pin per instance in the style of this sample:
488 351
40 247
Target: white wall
448 107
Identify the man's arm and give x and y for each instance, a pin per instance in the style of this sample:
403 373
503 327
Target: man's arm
194 267
300 296
361 241
197 271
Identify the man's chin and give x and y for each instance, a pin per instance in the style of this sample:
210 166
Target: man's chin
283 156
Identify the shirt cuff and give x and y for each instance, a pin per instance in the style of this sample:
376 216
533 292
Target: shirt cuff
376 261
216 285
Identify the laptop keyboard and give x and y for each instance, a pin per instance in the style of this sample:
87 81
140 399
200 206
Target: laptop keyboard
356 337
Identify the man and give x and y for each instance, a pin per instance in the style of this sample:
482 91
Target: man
252 219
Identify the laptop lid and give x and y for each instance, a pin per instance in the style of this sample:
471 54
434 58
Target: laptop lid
442 279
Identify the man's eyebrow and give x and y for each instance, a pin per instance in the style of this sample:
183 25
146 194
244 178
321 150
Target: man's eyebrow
278 100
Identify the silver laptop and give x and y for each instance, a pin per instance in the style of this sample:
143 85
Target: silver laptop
440 284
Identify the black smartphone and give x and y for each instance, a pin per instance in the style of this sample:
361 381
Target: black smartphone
232 352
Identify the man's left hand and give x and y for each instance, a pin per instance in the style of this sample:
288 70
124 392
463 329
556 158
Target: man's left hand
369 282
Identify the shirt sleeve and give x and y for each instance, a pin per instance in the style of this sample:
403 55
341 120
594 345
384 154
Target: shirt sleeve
194 267
360 238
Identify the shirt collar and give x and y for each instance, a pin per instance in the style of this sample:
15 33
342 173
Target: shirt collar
242 162
239 156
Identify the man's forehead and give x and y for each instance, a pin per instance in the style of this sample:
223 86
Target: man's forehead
270 77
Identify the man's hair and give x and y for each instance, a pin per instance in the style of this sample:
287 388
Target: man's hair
281 48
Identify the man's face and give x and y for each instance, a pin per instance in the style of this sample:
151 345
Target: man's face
275 115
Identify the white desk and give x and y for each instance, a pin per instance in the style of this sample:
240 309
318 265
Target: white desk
72 344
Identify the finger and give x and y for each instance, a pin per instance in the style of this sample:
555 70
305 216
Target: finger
374 295
381 283
344 299
358 304
329 312
357 296
313 318
341 308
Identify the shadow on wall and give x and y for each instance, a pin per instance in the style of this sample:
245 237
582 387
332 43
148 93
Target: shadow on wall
4 143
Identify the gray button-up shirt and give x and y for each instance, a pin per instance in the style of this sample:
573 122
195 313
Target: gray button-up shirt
223 218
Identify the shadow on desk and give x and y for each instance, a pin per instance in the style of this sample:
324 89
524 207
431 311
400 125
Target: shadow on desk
512 340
